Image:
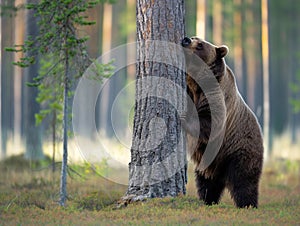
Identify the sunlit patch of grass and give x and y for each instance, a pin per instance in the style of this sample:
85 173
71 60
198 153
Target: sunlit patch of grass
285 148
35 183
282 174
29 197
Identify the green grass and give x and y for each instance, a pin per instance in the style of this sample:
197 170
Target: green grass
29 197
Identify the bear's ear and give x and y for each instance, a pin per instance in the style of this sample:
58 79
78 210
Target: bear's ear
222 51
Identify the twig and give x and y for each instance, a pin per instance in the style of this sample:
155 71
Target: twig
46 167
9 204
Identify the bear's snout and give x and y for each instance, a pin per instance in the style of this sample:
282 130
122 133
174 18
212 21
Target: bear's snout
186 42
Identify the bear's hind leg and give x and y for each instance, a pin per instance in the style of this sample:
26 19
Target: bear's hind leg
243 186
244 196
209 190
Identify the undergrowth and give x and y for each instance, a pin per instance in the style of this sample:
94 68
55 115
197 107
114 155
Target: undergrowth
29 197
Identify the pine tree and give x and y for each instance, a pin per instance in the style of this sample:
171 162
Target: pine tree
59 43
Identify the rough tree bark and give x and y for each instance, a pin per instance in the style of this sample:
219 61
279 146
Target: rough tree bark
158 156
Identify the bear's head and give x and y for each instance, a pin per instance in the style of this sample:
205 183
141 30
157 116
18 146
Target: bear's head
211 55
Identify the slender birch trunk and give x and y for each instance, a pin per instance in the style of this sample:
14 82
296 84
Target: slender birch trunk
64 166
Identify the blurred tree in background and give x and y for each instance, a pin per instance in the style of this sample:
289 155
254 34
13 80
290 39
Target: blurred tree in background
7 81
236 23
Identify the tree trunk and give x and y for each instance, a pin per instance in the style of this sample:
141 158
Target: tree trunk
64 166
94 49
238 45
279 53
295 59
3 151
158 156
100 20
116 82
250 55
32 133
265 57
217 22
7 78
130 39
106 46
201 19
18 72
191 17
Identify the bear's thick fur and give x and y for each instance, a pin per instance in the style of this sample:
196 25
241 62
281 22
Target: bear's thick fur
238 162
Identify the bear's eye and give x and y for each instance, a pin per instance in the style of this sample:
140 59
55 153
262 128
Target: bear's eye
199 46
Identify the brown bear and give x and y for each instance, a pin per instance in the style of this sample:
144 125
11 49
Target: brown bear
237 162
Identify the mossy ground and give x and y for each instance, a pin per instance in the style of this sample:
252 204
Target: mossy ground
29 197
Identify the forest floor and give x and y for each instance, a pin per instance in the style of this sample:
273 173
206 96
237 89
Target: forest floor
29 196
